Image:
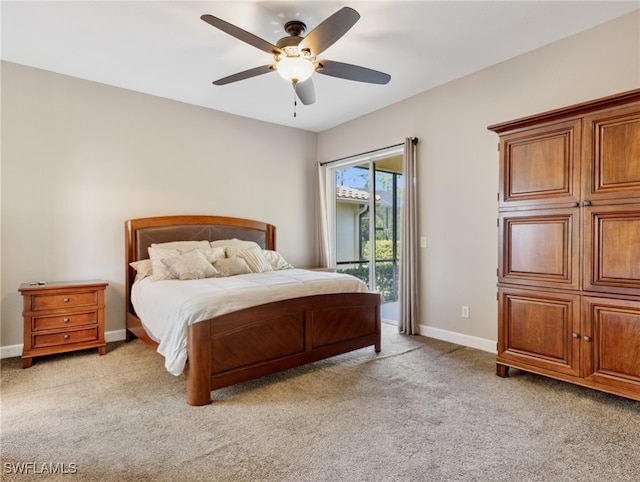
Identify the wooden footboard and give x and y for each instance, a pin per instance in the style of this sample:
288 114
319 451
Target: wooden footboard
277 336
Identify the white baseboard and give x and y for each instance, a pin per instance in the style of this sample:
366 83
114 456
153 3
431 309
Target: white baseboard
16 350
459 339
10 351
116 335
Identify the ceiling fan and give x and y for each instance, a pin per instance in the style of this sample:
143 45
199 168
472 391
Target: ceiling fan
296 57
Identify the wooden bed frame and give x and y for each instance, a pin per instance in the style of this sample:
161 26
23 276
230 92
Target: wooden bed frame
255 341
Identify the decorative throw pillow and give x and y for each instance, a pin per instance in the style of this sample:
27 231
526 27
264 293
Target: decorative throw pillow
213 254
143 268
182 246
254 258
190 265
235 243
160 270
231 267
276 260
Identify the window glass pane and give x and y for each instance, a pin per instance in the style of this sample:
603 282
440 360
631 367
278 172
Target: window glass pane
352 221
387 234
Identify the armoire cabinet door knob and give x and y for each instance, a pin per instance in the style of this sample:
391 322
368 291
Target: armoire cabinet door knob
586 203
586 338
575 335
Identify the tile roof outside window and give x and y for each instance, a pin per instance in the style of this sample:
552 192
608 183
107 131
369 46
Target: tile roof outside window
344 192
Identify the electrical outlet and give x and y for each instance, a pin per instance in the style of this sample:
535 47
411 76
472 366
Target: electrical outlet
465 311
423 241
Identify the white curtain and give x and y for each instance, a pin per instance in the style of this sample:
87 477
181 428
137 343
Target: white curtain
322 220
409 262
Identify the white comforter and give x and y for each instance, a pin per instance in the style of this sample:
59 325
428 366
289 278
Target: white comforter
167 307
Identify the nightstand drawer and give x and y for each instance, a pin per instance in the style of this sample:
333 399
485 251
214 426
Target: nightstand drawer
65 337
68 300
64 321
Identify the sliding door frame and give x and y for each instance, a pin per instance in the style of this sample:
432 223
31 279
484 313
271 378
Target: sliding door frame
368 160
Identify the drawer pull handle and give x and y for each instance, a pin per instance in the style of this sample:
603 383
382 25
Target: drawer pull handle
575 335
66 300
65 320
586 338
66 337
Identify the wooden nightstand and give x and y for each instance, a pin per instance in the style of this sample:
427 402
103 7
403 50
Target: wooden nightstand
61 317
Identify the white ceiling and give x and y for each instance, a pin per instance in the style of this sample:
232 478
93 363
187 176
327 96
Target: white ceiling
163 48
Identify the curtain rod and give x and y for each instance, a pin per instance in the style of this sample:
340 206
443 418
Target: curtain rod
414 141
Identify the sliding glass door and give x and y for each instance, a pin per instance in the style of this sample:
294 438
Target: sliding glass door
366 214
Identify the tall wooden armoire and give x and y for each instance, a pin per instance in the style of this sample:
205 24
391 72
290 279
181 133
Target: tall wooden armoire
569 244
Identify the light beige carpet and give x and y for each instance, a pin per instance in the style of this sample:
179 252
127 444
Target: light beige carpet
422 410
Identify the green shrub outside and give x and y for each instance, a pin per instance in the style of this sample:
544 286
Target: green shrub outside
384 279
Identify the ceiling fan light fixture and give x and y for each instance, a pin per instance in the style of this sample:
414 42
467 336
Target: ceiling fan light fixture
295 69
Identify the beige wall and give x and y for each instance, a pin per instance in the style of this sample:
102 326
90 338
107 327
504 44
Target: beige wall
79 158
458 160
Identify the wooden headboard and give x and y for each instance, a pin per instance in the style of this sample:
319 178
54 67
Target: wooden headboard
141 233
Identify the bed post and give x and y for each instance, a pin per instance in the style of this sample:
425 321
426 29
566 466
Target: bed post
199 364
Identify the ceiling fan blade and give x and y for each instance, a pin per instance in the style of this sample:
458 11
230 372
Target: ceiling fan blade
246 74
305 91
241 34
352 72
328 32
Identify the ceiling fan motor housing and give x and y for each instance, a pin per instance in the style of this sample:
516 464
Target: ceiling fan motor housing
295 28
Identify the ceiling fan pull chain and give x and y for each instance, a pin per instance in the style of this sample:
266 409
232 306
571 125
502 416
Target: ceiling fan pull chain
295 100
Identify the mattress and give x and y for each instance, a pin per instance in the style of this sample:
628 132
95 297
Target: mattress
166 308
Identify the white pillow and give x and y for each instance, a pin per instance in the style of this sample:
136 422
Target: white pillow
231 267
143 268
276 260
254 258
235 243
213 254
160 270
190 265
182 246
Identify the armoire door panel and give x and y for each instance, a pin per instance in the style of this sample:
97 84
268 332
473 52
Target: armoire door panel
540 329
612 154
612 349
540 248
612 248
541 166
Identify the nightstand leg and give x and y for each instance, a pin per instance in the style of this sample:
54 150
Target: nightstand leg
27 362
502 370
102 350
